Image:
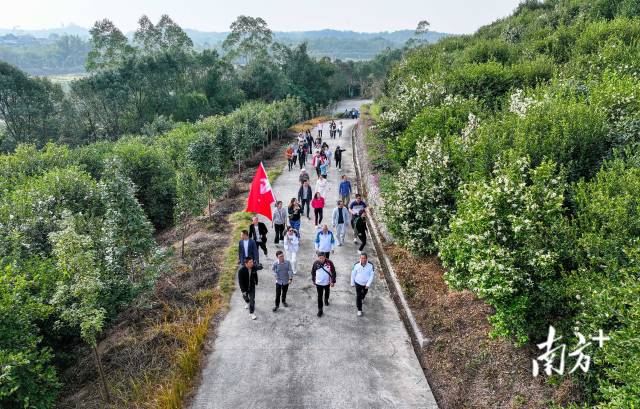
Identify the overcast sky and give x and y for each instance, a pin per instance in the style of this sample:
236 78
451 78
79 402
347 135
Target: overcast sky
451 16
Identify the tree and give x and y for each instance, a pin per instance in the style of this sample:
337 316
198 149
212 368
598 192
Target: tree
29 107
191 199
204 157
127 234
109 46
420 35
166 36
77 295
249 38
191 107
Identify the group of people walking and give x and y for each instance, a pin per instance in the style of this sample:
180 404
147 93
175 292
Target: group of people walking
286 223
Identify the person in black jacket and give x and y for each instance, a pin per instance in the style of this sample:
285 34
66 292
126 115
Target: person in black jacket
323 275
305 194
258 232
248 280
361 229
247 248
338 157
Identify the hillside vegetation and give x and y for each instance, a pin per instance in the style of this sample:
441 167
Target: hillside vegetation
77 233
513 154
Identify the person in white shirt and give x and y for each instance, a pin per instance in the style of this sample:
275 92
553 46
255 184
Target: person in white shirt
322 186
291 246
362 276
340 130
323 276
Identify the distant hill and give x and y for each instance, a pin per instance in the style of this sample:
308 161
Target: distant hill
47 51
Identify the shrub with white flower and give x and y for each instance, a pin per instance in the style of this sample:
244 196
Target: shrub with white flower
502 241
411 95
473 123
519 103
418 208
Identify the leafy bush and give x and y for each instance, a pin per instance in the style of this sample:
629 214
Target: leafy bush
27 378
421 201
489 82
504 244
605 287
450 118
32 211
491 50
567 131
151 171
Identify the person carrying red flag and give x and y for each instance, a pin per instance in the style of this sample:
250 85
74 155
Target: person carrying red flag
260 195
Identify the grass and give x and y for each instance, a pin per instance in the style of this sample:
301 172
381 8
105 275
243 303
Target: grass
310 124
192 333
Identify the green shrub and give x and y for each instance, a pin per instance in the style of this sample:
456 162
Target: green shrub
566 131
505 244
450 118
489 82
605 288
151 171
491 50
32 211
421 201
27 376
28 161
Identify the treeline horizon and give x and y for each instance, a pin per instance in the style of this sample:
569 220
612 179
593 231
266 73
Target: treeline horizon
158 76
64 52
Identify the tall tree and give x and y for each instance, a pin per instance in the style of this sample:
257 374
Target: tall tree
166 36
249 38
109 47
29 107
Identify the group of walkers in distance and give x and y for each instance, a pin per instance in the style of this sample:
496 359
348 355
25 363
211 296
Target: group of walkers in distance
322 155
286 223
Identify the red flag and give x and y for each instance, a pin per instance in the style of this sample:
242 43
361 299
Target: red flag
260 196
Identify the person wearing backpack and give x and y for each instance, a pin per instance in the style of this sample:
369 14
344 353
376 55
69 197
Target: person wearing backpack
323 276
362 276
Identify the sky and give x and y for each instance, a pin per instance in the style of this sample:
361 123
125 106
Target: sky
450 16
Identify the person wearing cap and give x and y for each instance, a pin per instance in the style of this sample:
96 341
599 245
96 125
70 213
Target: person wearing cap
362 276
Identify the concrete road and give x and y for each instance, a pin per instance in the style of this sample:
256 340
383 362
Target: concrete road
348 104
292 358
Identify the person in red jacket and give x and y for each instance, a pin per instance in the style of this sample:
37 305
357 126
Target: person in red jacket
318 205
